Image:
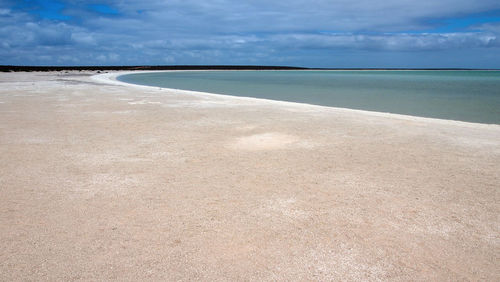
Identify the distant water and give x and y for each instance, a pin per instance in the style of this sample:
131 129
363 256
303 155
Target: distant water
472 96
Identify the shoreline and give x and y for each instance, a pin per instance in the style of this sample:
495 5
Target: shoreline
112 79
105 180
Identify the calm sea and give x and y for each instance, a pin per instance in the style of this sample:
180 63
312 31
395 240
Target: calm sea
472 96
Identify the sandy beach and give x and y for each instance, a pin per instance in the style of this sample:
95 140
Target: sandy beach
101 180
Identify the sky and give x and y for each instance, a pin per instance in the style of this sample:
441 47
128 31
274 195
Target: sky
307 33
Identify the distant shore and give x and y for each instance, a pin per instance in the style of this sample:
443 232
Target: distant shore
7 68
14 68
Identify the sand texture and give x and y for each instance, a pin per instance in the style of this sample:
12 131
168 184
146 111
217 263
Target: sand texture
102 181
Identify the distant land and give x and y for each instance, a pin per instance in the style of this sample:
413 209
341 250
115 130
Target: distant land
6 68
10 68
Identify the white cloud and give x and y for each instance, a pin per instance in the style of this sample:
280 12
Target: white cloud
84 38
300 15
4 12
386 41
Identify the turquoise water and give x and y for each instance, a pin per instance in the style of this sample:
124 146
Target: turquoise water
472 96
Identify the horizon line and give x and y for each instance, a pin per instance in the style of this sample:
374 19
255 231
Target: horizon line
17 68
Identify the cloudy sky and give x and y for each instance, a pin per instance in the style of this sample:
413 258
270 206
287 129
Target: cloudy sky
310 33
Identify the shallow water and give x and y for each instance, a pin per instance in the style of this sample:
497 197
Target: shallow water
472 96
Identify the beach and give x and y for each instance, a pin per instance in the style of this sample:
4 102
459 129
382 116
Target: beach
103 180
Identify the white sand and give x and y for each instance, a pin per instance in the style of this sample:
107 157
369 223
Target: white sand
103 180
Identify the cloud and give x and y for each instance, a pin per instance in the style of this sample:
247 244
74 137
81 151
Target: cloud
4 12
83 38
387 41
232 32
293 15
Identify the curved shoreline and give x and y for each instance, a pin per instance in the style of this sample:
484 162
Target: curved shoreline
111 78
107 179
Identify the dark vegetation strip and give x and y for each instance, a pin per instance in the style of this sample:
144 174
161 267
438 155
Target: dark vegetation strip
7 68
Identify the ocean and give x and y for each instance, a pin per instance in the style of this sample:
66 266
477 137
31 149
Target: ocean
472 96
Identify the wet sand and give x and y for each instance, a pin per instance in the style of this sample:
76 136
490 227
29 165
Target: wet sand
105 181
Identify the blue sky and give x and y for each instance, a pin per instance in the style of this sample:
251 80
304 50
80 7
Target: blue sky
310 33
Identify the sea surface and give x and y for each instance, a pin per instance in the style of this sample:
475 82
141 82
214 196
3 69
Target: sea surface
472 96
